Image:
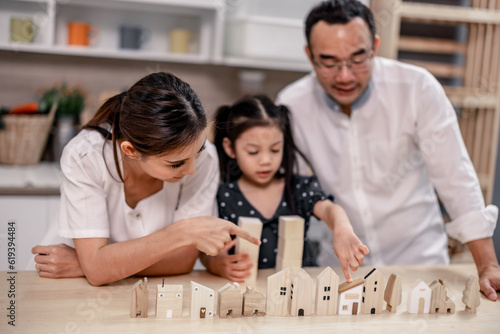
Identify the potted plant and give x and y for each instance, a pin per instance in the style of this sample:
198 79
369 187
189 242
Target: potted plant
71 102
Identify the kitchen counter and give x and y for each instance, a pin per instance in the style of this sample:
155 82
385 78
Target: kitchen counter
40 179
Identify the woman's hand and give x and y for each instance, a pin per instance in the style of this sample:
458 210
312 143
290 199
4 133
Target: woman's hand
211 235
233 267
57 261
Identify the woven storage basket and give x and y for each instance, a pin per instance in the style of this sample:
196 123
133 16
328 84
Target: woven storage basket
24 137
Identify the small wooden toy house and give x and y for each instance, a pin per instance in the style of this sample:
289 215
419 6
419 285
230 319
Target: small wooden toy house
419 297
254 227
440 303
140 294
373 293
230 301
169 301
202 301
278 293
290 243
350 297
327 285
301 294
254 303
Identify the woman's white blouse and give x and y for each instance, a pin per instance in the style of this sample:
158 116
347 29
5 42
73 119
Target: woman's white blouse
93 200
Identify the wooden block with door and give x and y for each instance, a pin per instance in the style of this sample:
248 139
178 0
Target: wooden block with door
202 301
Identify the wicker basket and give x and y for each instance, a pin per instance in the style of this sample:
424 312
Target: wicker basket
24 137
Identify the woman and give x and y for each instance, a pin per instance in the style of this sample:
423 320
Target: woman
138 189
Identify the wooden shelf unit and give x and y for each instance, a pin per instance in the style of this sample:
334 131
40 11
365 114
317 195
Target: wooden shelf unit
477 97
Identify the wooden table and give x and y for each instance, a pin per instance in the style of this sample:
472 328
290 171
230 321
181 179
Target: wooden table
74 306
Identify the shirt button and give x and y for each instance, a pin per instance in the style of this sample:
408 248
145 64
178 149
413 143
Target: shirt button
138 216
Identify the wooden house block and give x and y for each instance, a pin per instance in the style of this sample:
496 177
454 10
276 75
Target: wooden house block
140 294
169 301
393 293
301 294
254 227
290 242
350 297
327 285
254 303
471 294
440 303
373 293
278 293
419 298
230 301
202 301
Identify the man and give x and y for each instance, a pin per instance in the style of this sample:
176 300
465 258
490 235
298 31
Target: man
382 136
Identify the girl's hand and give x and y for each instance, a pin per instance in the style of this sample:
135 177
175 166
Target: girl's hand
349 249
211 235
232 267
57 261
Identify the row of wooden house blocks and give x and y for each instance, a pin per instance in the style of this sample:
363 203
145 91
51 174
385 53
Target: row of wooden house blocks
292 295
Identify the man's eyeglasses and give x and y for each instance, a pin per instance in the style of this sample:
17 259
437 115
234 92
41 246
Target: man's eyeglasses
357 64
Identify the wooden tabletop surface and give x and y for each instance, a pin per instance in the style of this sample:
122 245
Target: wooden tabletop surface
73 306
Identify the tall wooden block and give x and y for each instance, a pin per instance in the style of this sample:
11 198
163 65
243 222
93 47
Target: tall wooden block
327 285
278 293
169 301
254 227
301 294
202 301
290 242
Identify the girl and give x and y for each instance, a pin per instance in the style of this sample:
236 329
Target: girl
257 157
137 182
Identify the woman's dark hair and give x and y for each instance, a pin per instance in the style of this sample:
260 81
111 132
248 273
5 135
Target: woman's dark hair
160 113
339 11
248 112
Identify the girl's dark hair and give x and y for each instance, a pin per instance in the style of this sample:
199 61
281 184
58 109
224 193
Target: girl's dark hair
159 114
248 112
339 11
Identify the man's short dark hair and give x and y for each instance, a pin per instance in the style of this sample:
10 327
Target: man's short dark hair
339 11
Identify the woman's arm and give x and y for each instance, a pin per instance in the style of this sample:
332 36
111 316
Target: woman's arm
347 246
178 262
103 263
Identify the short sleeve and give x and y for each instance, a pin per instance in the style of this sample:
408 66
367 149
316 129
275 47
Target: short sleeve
197 197
306 193
83 209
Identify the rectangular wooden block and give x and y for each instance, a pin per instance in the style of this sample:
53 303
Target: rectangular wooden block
292 249
254 227
293 264
291 227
